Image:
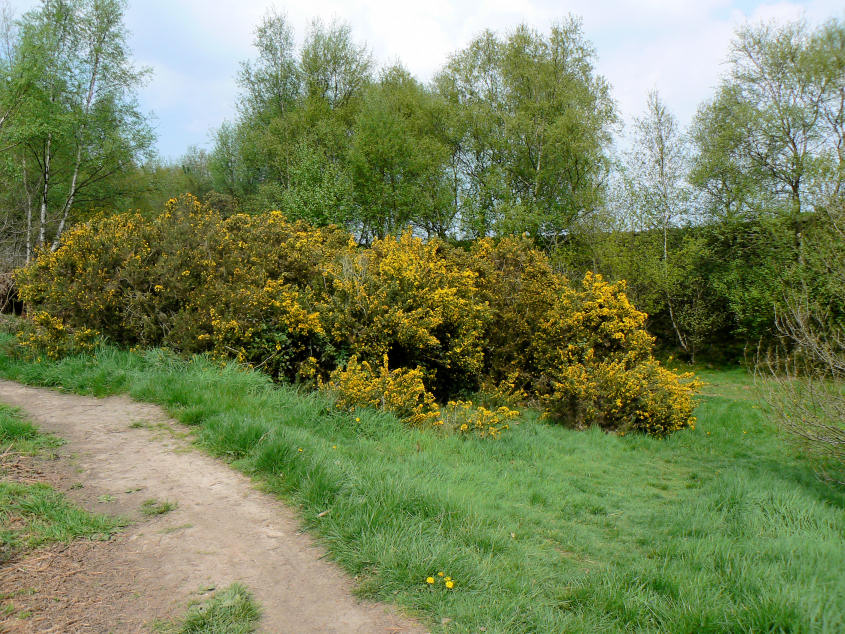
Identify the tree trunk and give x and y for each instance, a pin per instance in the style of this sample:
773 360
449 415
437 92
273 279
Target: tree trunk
42 230
28 213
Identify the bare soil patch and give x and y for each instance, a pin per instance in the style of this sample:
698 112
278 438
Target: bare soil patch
120 453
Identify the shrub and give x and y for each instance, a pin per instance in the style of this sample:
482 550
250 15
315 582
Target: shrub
46 335
400 391
404 299
583 353
85 282
593 364
519 286
416 320
464 417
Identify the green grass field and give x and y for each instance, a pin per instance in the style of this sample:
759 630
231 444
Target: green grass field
545 530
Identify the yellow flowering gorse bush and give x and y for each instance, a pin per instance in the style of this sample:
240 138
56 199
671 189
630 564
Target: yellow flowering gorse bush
398 325
46 335
466 418
400 391
402 298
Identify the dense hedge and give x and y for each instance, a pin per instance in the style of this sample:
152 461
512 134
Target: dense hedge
307 304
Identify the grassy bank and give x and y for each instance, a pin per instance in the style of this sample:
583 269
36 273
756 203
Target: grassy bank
545 529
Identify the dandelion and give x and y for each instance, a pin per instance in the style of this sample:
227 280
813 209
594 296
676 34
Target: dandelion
357 420
440 574
450 584
429 580
300 450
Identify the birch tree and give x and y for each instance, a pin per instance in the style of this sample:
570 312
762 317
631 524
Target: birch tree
79 125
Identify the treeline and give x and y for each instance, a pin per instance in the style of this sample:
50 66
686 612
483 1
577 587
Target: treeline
713 226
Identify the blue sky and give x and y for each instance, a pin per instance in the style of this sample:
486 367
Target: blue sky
194 46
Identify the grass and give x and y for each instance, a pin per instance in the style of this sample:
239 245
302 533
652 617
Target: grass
229 611
546 529
156 507
36 514
19 435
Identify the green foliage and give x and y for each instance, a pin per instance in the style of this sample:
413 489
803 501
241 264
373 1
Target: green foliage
529 127
512 136
396 160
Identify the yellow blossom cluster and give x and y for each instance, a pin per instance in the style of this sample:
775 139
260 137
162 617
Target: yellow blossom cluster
400 391
433 580
467 418
46 335
402 298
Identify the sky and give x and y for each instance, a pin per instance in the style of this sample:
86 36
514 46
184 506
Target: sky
678 47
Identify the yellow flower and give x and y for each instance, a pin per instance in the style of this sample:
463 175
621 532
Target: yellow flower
440 574
357 420
300 450
448 578
429 580
450 584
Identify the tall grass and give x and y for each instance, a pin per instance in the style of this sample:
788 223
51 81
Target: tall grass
545 529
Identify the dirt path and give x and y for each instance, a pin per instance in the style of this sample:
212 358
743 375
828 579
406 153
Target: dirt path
222 531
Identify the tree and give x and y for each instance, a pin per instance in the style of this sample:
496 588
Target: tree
79 125
271 85
396 161
290 143
14 84
532 133
334 68
771 141
768 150
658 188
